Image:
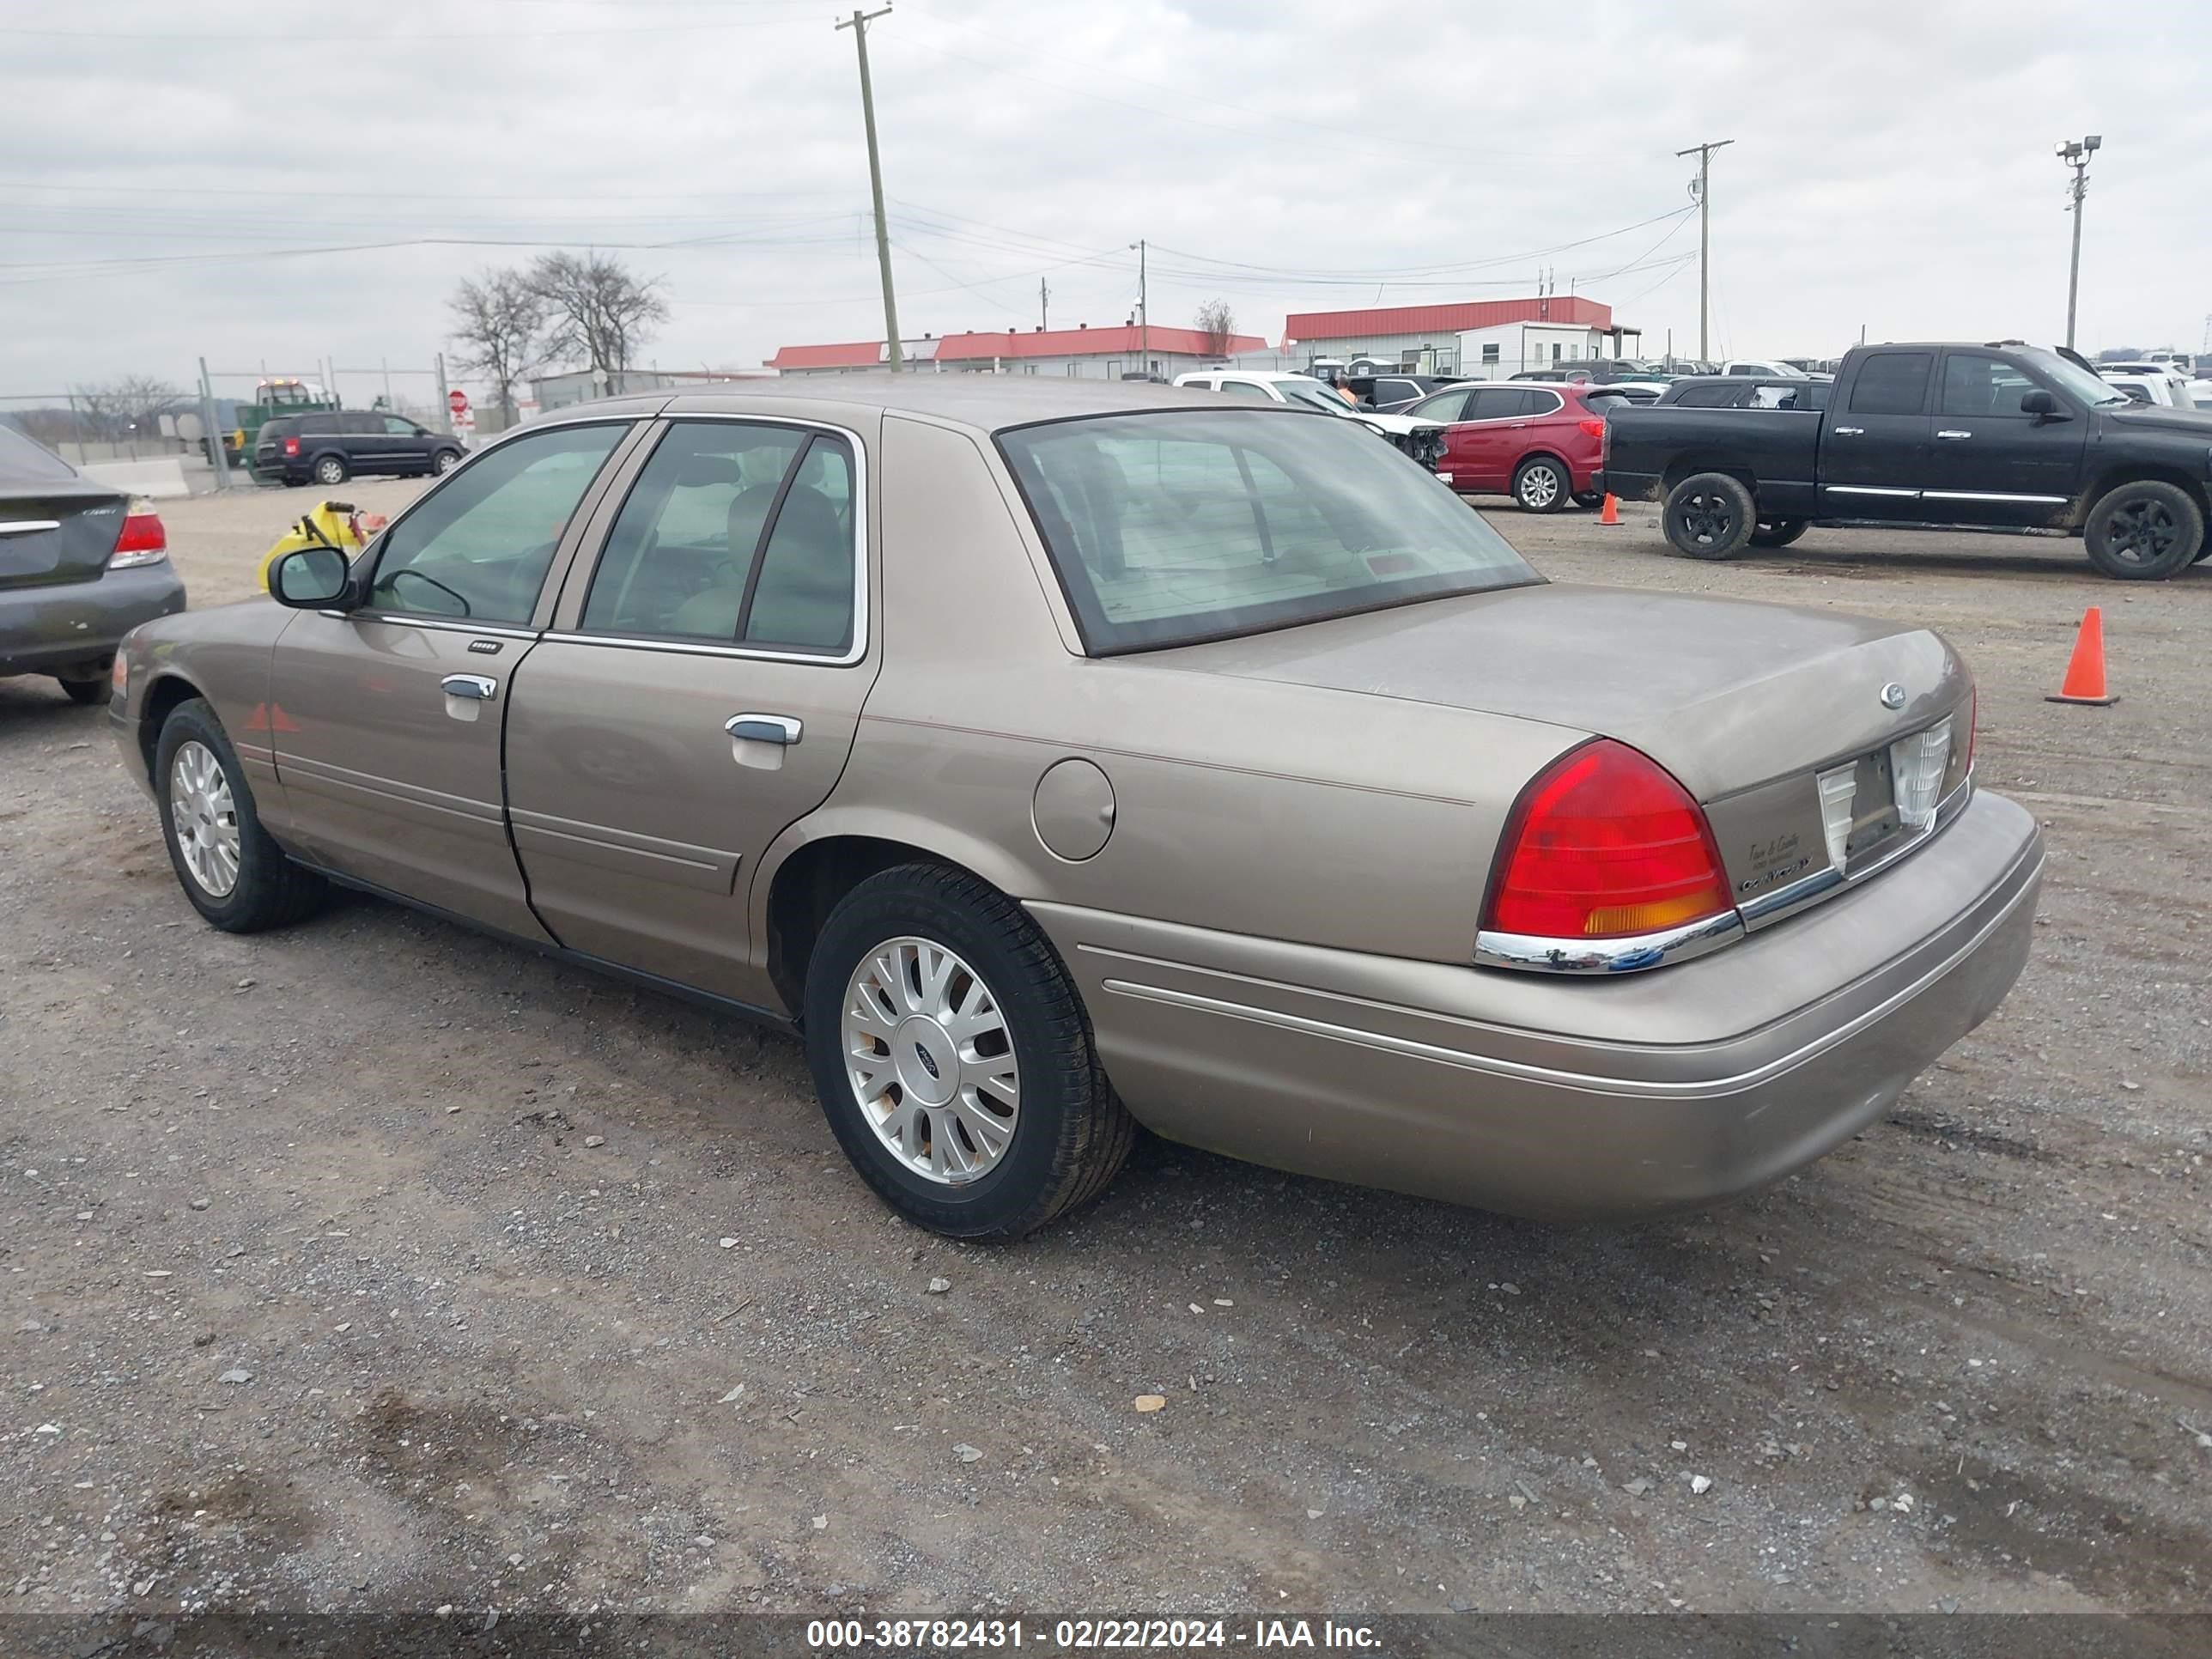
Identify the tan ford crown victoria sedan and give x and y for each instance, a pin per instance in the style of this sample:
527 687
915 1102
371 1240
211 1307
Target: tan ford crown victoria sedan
1061 757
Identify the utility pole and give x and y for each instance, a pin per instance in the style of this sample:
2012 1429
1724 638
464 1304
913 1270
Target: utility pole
1705 154
858 22
2076 154
1044 304
1143 315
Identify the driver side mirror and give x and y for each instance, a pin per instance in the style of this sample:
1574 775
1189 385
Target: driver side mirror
309 578
2041 404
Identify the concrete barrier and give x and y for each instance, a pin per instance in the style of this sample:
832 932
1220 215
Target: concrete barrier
158 480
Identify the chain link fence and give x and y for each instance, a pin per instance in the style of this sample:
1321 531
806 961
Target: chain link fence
165 437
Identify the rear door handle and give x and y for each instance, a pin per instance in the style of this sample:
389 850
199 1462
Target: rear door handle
1850 431
478 687
763 728
1955 432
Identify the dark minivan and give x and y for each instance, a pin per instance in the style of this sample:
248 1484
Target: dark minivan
334 444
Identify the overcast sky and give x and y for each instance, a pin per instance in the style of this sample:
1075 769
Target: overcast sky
166 168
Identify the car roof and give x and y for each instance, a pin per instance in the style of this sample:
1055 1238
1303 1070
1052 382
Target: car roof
986 403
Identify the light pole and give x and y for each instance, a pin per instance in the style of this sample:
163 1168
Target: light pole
2075 153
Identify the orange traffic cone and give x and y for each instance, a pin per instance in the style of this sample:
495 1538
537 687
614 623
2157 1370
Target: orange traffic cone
1610 512
2085 669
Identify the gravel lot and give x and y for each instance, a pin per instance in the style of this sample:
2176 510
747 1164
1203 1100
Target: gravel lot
374 1264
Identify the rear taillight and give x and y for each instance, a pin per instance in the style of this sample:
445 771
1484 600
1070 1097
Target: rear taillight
291 446
1605 844
1594 427
143 541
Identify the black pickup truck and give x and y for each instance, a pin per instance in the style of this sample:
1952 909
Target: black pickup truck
2004 434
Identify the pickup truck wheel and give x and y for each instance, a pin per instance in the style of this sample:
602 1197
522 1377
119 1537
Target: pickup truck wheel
1589 498
1540 485
1710 516
2144 532
1780 534
953 1058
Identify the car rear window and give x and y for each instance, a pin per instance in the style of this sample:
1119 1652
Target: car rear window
25 460
1171 528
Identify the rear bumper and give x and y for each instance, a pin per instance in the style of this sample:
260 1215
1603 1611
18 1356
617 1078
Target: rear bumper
1564 1099
1626 486
77 625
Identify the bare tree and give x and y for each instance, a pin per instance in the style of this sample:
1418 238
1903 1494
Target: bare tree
130 408
1216 324
599 313
499 329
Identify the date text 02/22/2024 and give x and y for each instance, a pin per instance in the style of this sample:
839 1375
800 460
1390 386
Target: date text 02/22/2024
1073 1634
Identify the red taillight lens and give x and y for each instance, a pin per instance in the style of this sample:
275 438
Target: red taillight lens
1605 844
1594 427
291 446
143 541
142 533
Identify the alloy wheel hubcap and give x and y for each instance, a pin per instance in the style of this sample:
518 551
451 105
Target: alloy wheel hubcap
1705 518
930 1060
2142 532
205 819
1540 487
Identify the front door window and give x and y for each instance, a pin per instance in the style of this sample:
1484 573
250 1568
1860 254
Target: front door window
478 548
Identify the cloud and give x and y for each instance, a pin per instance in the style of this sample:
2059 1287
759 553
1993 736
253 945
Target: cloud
1892 168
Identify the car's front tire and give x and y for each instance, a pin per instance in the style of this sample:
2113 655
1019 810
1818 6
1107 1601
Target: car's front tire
444 462
2144 532
1540 485
1709 515
330 470
230 867
953 1058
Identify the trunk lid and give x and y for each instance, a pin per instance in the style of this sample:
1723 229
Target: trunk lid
1728 695
58 532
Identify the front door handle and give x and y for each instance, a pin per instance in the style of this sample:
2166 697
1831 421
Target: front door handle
1953 432
478 687
763 728
1850 431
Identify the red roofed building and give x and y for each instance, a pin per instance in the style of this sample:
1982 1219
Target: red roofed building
1081 353
1475 337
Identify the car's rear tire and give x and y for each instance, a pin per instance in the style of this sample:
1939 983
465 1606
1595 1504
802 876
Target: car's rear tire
231 869
87 693
1709 515
330 470
1540 485
932 1001
1779 532
2144 532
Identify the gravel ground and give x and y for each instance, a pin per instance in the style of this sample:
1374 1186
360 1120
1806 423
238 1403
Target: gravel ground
374 1264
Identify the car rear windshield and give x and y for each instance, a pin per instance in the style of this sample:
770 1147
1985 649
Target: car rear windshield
26 461
1171 528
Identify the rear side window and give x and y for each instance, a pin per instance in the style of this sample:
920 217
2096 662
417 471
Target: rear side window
1495 402
1244 389
1543 403
1893 383
360 426
733 532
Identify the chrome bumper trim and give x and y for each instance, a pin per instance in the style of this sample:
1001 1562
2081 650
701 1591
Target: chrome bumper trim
1607 956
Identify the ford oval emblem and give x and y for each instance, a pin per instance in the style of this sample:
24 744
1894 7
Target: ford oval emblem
1892 695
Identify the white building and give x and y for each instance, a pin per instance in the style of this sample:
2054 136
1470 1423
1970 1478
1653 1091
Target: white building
1479 339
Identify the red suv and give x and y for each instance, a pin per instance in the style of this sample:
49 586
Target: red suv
1537 443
